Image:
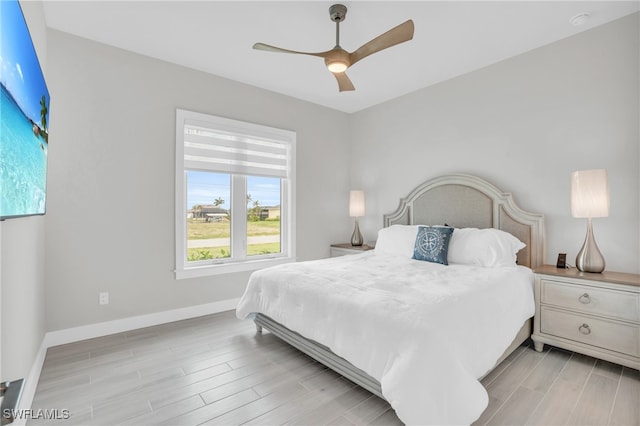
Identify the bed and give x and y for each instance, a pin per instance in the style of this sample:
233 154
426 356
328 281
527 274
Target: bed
372 318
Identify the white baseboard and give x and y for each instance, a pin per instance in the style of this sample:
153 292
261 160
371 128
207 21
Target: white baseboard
75 334
30 385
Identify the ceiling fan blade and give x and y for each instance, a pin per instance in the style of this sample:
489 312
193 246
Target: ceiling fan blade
396 35
344 83
269 48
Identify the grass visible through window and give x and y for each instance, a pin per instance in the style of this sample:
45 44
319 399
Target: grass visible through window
219 233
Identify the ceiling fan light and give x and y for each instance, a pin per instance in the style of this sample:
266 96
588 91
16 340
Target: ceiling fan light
337 60
337 66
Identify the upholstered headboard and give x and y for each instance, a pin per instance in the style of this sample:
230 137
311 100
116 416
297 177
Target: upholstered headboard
465 201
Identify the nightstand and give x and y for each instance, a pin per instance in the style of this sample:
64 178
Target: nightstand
346 248
594 314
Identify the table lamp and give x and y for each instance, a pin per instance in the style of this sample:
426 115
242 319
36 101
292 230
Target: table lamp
356 209
590 198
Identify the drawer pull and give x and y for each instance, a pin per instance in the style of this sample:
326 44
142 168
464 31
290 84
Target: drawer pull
584 329
585 299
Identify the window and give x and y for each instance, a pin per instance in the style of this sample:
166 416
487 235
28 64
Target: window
234 195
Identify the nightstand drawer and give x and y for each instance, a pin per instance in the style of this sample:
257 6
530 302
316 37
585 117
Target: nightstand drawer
612 335
591 300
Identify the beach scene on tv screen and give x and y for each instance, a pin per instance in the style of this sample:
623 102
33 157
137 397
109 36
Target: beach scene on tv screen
24 119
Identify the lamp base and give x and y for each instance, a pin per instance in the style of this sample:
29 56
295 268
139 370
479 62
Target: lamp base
589 258
356 237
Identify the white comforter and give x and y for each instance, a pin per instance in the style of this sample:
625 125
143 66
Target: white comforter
425 331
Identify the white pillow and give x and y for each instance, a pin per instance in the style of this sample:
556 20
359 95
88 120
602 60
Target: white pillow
397 240
483 247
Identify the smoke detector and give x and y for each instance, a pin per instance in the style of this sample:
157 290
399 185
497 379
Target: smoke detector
579 19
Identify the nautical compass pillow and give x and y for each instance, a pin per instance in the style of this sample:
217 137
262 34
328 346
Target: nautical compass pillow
432 244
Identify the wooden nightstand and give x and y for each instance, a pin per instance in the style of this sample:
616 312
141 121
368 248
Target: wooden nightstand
346 248
594 314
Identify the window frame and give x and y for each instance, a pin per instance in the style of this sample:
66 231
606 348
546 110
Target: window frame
239 261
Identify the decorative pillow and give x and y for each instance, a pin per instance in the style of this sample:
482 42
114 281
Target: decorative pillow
397 240
432 243
484 247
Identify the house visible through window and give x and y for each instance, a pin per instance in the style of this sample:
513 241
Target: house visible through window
234 195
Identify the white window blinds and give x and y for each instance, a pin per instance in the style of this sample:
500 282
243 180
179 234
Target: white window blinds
220 147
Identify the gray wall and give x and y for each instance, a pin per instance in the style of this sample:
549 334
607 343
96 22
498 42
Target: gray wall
22 254
524 124
110 218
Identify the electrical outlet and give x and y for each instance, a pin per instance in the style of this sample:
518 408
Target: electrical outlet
104 298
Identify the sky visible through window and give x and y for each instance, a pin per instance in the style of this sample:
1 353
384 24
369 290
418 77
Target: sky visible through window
204 187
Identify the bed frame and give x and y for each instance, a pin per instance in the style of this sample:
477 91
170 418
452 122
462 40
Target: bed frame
461 201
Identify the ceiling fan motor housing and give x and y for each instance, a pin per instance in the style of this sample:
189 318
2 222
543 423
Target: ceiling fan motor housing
337 56
338 12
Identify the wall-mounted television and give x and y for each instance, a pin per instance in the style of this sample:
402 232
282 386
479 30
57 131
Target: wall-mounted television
24 119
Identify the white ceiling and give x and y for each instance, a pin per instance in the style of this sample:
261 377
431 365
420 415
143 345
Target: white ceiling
451 38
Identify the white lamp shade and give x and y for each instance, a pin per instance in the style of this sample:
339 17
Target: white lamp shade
356 203
590 193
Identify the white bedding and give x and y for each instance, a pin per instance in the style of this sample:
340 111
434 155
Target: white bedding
427 332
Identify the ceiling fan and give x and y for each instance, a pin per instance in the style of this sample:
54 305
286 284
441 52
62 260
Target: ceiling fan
338 59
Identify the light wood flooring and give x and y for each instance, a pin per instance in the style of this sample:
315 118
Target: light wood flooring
218 370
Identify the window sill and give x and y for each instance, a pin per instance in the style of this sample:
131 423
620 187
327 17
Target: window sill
227 268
